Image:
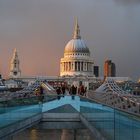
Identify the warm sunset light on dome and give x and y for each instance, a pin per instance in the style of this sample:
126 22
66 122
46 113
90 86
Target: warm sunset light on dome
76 59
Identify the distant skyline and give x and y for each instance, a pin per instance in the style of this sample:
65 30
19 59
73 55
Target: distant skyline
41 29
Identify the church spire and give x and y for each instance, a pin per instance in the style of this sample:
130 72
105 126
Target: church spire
15 50
76 30
15 54
14 66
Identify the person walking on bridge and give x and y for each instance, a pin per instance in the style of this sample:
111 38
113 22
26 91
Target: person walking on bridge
81 90
59 92
41 93
73 91
63 88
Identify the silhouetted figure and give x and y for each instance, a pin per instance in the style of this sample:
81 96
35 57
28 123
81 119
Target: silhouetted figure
81 90
73 91
85 92
63 89
41 94
41 90
58 91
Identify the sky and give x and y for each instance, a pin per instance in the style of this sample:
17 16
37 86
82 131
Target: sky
40 30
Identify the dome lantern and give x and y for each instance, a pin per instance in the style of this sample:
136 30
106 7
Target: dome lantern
76 45
76 34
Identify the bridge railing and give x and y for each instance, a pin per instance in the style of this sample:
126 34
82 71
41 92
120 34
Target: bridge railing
15 110
114 124
13 115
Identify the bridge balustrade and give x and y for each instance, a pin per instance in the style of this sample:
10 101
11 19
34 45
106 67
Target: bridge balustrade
113 124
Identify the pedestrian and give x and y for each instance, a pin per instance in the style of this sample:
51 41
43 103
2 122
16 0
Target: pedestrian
73 91
85 92
41 94
59 92
81 90
63 90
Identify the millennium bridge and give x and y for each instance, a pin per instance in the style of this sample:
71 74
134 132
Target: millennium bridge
67 112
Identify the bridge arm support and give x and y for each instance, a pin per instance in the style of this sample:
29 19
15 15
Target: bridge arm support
7 132
94 132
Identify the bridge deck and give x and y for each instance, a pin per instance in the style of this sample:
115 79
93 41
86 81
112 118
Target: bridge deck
112 124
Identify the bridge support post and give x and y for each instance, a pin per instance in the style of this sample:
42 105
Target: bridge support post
94 132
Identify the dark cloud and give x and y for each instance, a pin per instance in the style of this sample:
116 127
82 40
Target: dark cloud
41 29
127 2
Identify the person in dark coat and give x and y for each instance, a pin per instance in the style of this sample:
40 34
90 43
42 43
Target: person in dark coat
63 89
73 91
58 91
41 94
81 90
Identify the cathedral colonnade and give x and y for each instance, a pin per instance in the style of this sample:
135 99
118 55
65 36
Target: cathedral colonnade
76 66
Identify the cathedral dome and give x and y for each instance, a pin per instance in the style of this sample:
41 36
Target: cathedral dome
76 60
76 46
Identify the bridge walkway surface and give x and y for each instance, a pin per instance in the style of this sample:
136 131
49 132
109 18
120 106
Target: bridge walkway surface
104 122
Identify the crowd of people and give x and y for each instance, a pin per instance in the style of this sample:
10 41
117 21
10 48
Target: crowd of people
64 90
71 90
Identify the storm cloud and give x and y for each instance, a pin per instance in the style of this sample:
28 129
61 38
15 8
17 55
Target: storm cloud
40 29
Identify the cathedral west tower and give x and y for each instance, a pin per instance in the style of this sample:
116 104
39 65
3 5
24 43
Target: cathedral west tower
15 71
